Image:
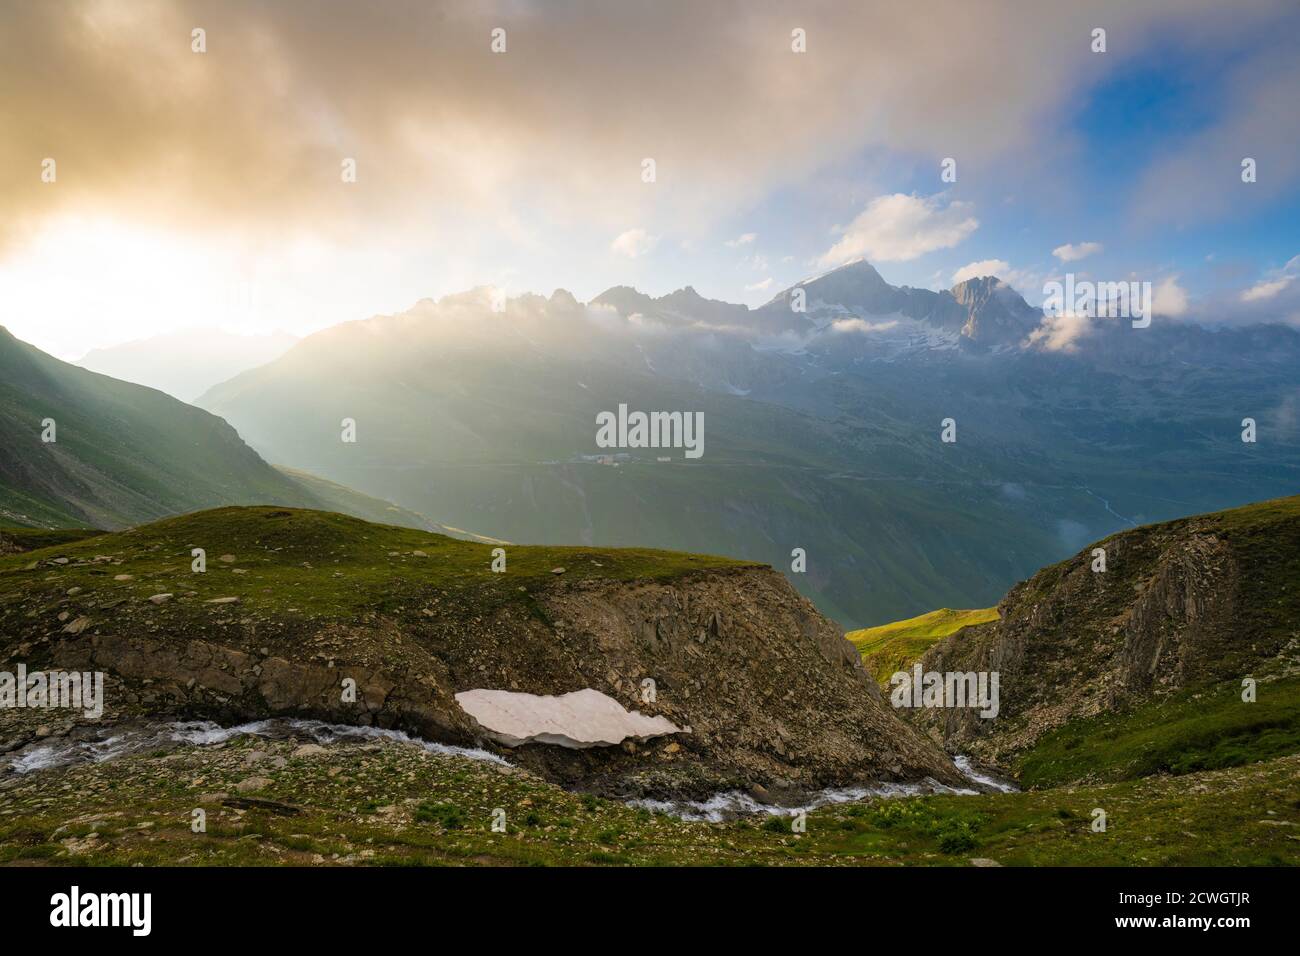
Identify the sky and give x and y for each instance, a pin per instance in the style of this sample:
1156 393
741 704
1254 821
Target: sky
506 143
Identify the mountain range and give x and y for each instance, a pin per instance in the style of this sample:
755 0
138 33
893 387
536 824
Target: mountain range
823 427
825 413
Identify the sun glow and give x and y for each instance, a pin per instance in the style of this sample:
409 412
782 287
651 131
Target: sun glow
82 283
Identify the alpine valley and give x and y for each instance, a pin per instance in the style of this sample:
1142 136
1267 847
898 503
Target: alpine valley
823 427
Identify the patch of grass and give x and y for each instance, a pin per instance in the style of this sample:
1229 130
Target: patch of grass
888 648
32 539
1195 730
294 564
436 810
446 815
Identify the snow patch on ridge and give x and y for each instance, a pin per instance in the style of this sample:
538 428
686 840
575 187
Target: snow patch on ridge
580 719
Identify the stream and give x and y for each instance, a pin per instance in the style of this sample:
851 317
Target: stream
72 749
80 747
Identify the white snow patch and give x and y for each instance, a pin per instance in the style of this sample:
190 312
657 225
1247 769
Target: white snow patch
580 719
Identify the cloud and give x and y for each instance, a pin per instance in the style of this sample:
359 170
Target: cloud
633 243
744 239
985 267
1061 333
759 286
1273 298
469 159
1169 298
1267 289
900 227
251 133
1198 176
862 326
1071 252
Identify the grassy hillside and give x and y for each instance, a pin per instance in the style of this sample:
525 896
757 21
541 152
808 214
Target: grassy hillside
1206 729
1138 670
303 565
888 648
1194 777
123 453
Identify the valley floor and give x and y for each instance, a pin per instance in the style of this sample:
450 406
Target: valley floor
269 802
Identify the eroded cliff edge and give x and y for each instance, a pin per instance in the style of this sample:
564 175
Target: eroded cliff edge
1195 603
772 693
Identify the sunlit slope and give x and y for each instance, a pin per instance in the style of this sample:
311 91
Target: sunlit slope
888 648
121 453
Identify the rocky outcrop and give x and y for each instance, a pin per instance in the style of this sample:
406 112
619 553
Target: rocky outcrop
771 690
772 693
1182 604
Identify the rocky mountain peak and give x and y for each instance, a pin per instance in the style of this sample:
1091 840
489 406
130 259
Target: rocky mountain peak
995 313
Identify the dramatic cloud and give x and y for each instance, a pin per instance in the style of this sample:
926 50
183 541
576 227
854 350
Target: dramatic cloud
985 267
469 161
901 227
1072 252
253 131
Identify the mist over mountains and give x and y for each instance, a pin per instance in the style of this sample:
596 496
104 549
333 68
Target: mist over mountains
822 430
79 449
822 427
186 364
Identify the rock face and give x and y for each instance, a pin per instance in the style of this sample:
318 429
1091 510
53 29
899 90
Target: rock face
583 718
771 690
1181 604
772 693
996 314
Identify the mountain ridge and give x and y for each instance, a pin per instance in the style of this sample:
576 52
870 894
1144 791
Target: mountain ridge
187 363
1184 610
821 427
123 452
